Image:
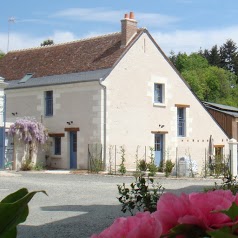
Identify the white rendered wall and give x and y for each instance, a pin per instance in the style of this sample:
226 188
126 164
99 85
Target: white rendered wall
131 115
80 103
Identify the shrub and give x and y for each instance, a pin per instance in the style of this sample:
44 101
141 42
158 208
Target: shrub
26 165
142 165
122 167
168 167
142 195
38 166
96 165
152 169
229 182
161 166
151 166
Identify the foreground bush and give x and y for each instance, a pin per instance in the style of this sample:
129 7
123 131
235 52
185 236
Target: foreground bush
141 196
14 210
229 182
196 215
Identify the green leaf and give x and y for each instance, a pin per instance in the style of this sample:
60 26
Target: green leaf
189 230
224 232
11 214
13 197
10 234
232 212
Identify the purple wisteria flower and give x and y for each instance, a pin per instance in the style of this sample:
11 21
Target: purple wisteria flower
29 130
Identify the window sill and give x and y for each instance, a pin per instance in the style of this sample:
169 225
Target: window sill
55 157
157 104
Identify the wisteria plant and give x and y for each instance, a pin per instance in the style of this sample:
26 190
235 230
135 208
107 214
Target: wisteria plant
30 131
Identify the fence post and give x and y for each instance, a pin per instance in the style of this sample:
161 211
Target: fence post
145 153
115 159
205 163
176 162
233 156
88 160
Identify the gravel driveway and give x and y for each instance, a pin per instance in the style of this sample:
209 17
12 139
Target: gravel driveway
77 205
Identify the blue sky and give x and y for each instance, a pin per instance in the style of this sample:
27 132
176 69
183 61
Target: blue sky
178 25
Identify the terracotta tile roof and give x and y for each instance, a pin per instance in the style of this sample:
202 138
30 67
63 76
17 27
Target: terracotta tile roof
79 56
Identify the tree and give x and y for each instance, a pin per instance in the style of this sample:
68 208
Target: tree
207 80
214 57
47 42
186 62
1 54
228 53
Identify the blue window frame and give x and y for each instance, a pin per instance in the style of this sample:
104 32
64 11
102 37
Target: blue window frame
158 93
57 145
181 117
49 103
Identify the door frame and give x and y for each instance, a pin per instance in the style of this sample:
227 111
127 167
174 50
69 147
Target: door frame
159 141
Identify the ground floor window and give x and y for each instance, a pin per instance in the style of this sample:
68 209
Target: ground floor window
57 145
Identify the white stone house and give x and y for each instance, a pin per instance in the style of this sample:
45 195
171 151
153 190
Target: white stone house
116 89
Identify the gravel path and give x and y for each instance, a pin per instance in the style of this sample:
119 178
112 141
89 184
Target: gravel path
77 205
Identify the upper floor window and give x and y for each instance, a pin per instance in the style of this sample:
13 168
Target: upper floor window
57 146
181 121
49 103
158 93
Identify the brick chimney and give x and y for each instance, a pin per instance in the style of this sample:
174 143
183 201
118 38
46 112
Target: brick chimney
128 28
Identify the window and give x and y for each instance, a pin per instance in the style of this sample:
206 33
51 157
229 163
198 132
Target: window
26 77
49 103
158 93
181 123
219 153
57 145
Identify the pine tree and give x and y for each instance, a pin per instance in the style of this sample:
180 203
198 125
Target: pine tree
228 53
214 57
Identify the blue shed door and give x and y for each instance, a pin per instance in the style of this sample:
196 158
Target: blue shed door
73 150
159 145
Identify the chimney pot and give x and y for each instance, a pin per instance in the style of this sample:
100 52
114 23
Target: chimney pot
132 16
128 28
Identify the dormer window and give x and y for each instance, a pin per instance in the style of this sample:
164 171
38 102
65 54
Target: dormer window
26 77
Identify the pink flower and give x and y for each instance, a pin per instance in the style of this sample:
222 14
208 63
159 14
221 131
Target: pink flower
203 205
195 208
142 225
173 210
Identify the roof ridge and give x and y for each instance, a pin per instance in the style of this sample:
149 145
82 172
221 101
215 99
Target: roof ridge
65 43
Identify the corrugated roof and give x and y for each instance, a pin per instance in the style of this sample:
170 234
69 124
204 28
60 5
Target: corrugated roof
233 111
60 79
79 56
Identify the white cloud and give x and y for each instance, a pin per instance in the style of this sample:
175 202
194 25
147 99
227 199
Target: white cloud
90 14
191 41
113 16
24 41
159 20
178 41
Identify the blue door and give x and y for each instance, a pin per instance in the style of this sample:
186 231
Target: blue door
73 150
159 145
